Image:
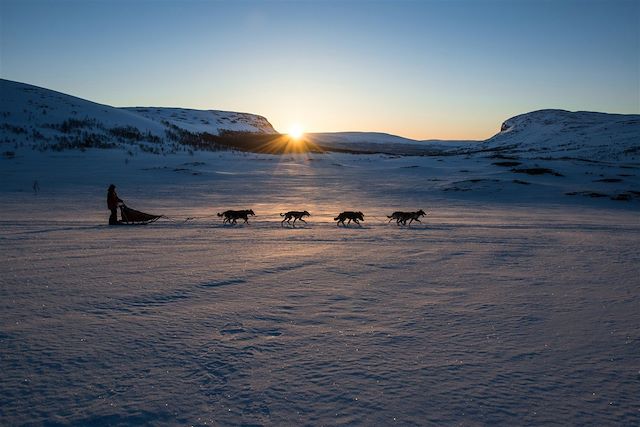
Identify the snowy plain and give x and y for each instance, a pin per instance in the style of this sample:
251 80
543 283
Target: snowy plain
512 304
515 302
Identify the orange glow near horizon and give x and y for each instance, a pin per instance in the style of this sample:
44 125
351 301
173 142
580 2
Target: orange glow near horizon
323 116
296 131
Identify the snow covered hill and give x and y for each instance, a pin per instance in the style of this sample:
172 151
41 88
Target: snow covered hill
560 133
376 142
359 138
23 105
44 119
539 134
209 121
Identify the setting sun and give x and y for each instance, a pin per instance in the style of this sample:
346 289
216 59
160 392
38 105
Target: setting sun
296 131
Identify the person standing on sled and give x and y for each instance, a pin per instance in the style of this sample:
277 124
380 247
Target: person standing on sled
112 203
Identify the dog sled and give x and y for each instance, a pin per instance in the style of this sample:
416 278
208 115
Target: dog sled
134 217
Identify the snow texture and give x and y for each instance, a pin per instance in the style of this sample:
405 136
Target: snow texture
207 121
514 302
42 112
582 134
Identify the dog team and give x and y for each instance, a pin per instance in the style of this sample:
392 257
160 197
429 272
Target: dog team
231 217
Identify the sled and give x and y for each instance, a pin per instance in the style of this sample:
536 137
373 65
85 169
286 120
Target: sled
132 216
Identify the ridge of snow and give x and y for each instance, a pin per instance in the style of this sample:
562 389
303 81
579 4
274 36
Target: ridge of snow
209 121
38 108
22 104
593 135
29 113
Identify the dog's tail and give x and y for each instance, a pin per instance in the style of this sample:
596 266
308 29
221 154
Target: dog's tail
219 214
336 218
281 214
389 216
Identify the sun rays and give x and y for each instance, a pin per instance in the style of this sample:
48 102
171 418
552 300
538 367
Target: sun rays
296 131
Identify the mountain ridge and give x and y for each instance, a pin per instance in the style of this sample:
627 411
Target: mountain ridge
47 119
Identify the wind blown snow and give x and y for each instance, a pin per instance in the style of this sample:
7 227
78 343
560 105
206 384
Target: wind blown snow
494 310
515 302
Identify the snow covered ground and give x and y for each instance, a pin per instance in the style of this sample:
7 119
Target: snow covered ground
513 303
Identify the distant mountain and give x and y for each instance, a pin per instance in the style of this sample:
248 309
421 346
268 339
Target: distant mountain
43 119
543 133
33 107
376 142
560 133
206 121
359 138
46 119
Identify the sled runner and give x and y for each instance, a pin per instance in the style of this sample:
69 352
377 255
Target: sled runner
132 216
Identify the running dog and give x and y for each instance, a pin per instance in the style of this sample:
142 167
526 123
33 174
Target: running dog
351 216
296 215
231 217
396 215
403 217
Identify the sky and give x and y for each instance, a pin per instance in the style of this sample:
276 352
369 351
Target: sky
451 69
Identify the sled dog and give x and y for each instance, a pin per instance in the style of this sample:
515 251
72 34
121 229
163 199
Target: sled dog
295 215
231 217
349 215
403 217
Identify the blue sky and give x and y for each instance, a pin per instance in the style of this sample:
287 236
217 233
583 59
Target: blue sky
421 69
